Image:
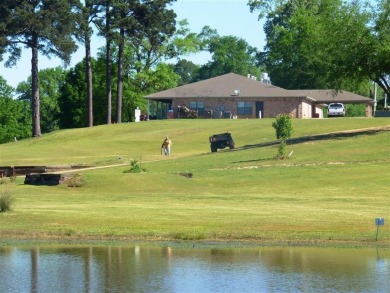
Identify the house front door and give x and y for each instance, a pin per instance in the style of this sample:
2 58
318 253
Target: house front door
259 109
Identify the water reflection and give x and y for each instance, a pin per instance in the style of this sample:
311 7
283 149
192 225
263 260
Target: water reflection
167 269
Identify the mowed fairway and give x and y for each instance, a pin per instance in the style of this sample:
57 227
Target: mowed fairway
328 192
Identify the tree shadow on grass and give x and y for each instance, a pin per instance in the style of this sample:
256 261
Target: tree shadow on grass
255 160
318 137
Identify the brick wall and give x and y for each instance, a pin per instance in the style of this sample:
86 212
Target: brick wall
272 107
318 112
369 110
282 105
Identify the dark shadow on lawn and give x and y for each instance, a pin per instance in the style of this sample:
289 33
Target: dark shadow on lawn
256 160
335 135
326 136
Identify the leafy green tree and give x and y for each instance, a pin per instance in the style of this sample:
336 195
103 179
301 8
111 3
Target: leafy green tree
143 54
355 110
150 40
100 88
146 25
6 91
141 31
325 44
161 78
183 42
229 54
15 115
123 19
283 128
378 65
44 26
50 82
72 101
72 95
105 27
301 49
186 70
88 13
291 51
351 25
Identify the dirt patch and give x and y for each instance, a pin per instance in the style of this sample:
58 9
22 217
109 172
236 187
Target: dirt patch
186 174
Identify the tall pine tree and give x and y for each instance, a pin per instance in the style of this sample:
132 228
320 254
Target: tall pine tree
43 26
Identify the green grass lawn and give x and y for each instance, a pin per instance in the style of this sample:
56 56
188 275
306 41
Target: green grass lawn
329 191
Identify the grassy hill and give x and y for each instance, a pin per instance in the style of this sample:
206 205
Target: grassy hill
329 191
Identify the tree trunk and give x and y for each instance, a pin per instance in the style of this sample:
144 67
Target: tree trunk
88 69
120 77
36 115
108 62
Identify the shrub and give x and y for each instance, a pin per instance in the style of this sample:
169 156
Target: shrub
135 167
6 200
284 130
7 180
75 181
281 150
355 110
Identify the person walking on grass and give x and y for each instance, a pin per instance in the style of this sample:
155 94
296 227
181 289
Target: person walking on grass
166 146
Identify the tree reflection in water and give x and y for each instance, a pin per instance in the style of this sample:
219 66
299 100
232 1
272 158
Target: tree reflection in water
175 269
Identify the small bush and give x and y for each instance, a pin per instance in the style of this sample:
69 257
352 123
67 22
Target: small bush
281 150
6 201
7 180
75 181
135 168
284 130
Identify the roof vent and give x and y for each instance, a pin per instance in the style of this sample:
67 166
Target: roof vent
250 76
236 92
265 78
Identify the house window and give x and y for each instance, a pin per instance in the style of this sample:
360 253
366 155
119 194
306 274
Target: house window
197 106
244 108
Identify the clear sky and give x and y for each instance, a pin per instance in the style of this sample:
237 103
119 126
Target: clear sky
228 17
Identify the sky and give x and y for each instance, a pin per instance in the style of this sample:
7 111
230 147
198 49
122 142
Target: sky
228 17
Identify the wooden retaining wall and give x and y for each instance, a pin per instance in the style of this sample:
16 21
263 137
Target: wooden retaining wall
44 179
9 171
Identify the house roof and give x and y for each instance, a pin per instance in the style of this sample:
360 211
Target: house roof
329 96
235 85
227 85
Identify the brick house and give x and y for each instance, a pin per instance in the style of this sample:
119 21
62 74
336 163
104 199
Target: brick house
233 95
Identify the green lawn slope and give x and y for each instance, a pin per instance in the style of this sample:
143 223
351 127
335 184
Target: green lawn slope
330 190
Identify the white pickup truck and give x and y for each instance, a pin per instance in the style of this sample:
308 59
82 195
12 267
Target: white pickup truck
336 109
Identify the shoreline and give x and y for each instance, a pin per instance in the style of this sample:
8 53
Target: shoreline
204 243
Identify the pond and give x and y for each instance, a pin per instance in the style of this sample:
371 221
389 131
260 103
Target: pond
176 269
